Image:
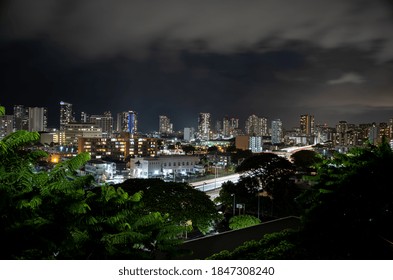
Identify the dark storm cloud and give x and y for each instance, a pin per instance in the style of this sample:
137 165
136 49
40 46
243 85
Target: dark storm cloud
101 27
273 58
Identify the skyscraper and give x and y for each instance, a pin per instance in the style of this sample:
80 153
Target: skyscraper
65 114
21 121
105 122
6 125
165 125
127 122
256 126
307 125
38 119
204 126
277 132
341 133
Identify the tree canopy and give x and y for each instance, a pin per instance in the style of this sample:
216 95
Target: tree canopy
347 215
181 201
305 159
267 176
350 211
57 215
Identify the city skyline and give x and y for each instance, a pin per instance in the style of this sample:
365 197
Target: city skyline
275 59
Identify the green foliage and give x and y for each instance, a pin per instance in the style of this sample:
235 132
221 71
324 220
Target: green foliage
305 159
349 212
275 246
266 174
56 215
347 215
182 202
2 111
243 221
188 149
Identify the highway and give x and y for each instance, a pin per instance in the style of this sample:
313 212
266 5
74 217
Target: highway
212 186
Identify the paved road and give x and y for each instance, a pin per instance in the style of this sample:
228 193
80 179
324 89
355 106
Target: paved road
214 184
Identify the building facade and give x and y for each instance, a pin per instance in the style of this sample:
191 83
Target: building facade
204 123
164 166
6 125
38 119
165 126
65 114
277 132
256 126
127 122
105 122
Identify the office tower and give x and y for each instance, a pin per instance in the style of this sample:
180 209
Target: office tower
21 115
342 133
225 126
73 131
256 126
127 122
307 125
233 126
204 126
105 122
6 125
373 135
165 125
65 114
277 132
85 118
384 131
218 127
37 119
230 126
189 134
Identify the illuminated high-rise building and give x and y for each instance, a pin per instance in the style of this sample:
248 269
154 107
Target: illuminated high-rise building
307 125
38 119
230 126
277 133
65 114
127 122
342 129
105 122
390 128
21 118
204 123
85 118
165 125
256 126
6 125
225 127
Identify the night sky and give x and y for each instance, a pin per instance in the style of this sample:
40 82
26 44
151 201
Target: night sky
272 58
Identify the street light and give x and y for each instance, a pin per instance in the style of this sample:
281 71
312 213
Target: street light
215 176
234 201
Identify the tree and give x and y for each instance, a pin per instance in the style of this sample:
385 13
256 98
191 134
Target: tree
270 175
188 149
56 215
231 193
274 246
350 211
182 202
305 159
243 221
212 149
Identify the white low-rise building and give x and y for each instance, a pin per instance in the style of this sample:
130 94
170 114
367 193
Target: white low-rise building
102 171
153 167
